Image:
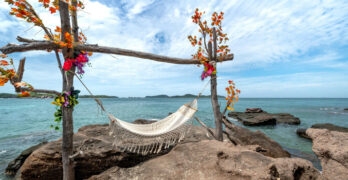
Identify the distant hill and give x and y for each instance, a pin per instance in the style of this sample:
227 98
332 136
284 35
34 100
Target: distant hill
180 96
158 96
97 96
8 95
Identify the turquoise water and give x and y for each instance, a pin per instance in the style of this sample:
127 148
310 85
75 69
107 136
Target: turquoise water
25 122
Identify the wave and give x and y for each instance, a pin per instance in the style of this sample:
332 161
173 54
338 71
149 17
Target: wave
3 151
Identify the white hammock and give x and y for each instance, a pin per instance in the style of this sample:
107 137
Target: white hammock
152 138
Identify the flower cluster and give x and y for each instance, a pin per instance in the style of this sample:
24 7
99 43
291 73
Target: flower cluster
232 95
79 62
208 70
66 99
8 75
5 73
205 30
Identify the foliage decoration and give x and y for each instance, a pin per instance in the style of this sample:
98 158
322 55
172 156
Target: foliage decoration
79 61
8 73
66 99
201 42
232 95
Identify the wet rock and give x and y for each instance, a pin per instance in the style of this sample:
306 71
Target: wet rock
254 110
331 127
243 136
264 118
15 164
332 149
302 133
210 159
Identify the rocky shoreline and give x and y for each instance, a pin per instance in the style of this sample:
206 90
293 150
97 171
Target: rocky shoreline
243 155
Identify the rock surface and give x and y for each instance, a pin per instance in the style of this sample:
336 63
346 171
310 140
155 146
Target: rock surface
260 117
14 165
99 155
253 110
243 136
332 149
302 132
210 159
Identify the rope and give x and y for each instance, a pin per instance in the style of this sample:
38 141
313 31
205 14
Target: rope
205 86
96 99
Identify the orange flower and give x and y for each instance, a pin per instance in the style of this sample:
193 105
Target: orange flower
3 81
24 94
4 63
53 10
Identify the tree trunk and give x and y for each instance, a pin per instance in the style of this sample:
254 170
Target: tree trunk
216 108
68 80
213 89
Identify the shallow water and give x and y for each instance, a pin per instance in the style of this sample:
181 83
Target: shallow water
25 122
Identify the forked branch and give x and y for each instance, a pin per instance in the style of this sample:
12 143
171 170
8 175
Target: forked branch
48 45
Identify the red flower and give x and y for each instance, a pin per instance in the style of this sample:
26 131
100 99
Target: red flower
67 64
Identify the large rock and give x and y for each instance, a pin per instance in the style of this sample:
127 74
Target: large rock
243 136
332 149
15 164
302 132
210 159
98 155
258 118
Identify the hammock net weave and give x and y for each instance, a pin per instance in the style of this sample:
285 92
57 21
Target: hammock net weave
152 138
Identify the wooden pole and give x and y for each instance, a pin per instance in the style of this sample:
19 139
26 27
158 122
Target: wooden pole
213 88
68 128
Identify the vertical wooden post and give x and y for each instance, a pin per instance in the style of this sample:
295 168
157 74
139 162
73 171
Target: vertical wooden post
213 88
68 128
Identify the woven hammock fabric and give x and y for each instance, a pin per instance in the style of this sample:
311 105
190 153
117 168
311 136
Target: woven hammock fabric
152 138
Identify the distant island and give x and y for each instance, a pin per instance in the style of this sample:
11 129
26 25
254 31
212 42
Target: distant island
180 96
41 95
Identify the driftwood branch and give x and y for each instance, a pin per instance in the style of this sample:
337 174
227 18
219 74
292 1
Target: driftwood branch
48 45
40 91
205 126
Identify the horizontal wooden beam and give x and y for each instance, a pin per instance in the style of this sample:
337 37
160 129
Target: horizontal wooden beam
30 44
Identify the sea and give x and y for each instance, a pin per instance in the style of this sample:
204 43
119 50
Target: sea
26 122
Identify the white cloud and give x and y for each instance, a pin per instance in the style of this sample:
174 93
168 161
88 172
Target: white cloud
262 33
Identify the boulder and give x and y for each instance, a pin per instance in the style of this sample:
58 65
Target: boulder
260 120
302 132
98 155
253 110
332 149
243 136
345 109
264 118
330 127
15 164
210 159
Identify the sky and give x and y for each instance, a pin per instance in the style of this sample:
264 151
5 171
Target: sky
282 49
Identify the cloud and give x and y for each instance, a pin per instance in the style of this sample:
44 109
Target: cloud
274 42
